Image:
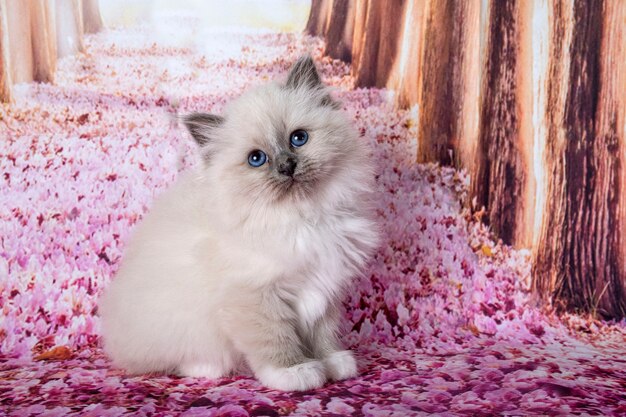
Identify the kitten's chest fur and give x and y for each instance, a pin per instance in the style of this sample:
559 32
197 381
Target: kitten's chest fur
311 257
320 244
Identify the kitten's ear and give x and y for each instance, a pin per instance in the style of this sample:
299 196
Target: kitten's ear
304 74
200 126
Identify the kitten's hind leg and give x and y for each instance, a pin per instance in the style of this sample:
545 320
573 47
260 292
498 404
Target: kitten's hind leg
263 326
323 342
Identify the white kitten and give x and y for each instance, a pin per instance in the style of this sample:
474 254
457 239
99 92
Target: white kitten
246 260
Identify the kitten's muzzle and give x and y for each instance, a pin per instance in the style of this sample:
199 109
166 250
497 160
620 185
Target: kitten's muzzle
286 164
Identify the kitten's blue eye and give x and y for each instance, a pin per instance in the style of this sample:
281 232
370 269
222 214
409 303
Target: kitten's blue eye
257 158
299 138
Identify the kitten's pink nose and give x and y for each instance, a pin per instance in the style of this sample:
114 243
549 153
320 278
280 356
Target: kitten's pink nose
286 164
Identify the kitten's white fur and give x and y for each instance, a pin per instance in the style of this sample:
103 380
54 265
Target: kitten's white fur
231 267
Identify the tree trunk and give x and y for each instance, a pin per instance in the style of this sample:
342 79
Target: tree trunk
34 33
502 176
365 69
43 41
5 70
92 21
540 129
449 83
340 30
20 41
379 42
360 21
579 259
318 17
611 128
406 68
69 27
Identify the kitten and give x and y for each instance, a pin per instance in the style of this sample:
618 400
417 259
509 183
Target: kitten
244 261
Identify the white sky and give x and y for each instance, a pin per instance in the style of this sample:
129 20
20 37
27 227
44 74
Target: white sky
282 15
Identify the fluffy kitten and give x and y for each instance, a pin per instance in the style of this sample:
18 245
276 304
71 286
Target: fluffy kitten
244 261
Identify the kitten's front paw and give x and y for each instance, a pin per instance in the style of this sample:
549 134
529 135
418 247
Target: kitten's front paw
300 377
340 365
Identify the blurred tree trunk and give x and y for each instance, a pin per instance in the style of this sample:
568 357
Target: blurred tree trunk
35 33
334 20
339 34
44 43
92 21
5 70
363 32
318 17
378 38
20 40
360 21
69 17
580 255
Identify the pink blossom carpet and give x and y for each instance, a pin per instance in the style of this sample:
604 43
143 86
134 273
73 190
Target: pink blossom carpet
442 320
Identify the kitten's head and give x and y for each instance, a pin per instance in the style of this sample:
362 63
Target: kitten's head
282 143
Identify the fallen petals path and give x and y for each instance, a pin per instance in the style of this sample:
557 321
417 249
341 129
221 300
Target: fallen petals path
442 320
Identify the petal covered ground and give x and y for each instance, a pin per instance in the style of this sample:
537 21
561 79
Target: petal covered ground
442 320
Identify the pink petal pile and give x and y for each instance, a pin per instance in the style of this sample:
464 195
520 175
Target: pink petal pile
442 320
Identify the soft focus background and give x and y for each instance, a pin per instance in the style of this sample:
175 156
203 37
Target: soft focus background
276 15
498 132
